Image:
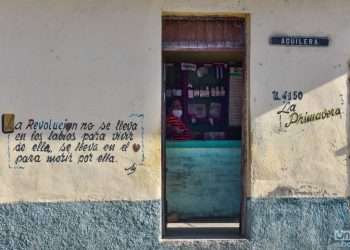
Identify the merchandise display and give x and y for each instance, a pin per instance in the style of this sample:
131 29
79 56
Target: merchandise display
210 95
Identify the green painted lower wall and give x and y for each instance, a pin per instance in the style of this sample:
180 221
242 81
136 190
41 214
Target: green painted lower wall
291 223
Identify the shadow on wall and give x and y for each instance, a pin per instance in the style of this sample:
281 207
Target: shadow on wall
334 72
306 208
310 80
345 151
278 67
312 72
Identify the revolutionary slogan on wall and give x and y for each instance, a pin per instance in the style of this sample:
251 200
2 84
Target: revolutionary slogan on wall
56 143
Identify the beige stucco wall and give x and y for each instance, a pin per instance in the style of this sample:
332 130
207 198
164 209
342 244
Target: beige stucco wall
101 61
82 61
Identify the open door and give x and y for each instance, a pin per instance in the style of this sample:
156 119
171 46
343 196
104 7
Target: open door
203 65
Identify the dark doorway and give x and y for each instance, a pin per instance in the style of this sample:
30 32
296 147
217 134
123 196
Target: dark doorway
203 89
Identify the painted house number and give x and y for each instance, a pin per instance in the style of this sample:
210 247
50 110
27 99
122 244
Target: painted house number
287 95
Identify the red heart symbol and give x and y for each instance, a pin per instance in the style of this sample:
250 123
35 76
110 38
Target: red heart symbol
136 147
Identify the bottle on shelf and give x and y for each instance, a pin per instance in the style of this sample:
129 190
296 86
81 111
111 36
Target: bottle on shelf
212 90
217 91
201 92
222 91
190 91
196 92
207 92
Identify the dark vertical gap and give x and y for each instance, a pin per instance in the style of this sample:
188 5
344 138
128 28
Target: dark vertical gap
163 152
245 123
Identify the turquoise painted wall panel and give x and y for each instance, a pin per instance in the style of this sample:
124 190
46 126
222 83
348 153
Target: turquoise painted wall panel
203 179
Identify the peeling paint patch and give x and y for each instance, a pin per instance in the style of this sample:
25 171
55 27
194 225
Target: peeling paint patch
301 190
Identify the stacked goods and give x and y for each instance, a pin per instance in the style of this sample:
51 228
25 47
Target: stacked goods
235 96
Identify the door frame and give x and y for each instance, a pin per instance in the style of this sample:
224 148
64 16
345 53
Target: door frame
245 126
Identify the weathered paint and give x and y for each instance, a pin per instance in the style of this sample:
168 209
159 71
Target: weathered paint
101 61
52 68
297 223
91 225
203 179
292 223
117 72
85 62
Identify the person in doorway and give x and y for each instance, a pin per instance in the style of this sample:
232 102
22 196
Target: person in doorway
176 128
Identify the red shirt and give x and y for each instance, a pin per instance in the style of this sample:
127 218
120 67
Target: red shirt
173 121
